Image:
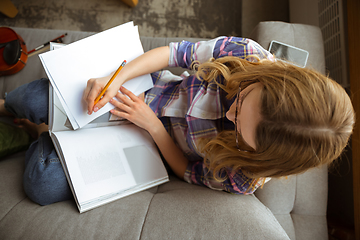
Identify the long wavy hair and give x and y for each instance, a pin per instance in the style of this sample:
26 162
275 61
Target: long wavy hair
307 119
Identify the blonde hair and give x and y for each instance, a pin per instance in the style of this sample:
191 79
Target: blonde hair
307 119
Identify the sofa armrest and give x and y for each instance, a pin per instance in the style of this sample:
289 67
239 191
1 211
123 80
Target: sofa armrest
299 35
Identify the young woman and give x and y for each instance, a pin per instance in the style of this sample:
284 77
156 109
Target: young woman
240 120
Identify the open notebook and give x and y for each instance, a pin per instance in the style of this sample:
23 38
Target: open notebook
103 160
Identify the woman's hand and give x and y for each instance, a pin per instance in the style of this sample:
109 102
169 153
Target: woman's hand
93 89
135 110
151 61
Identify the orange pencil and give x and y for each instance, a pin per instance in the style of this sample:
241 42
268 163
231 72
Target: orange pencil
109 82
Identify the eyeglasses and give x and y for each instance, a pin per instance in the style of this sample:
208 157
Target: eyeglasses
242 86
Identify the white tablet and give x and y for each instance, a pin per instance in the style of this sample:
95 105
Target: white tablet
288 53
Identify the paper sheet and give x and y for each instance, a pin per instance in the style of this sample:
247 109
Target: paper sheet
70 67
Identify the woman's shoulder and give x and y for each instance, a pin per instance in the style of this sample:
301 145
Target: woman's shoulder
240 41
238 46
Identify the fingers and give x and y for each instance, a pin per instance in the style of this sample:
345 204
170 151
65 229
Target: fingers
92 90
120 114
129 94
125 104
132 108
104 100
126 98
87 89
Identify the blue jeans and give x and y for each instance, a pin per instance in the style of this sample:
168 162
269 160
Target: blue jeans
44 178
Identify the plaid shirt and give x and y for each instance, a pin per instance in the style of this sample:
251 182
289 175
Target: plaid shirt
191 109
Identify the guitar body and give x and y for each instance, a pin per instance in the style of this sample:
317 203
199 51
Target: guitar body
13 52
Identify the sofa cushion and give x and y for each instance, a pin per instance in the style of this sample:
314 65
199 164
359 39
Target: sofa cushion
192 212
175 210
12 193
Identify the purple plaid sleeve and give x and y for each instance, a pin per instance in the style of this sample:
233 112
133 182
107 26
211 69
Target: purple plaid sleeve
184 53
240 47
235 182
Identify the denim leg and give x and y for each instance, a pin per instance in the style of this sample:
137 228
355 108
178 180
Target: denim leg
44 178
30 101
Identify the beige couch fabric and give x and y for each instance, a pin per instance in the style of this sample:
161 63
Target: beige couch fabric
175 210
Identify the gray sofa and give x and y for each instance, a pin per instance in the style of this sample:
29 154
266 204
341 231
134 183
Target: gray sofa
288 208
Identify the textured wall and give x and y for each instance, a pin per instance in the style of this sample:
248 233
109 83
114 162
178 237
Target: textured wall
162 18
